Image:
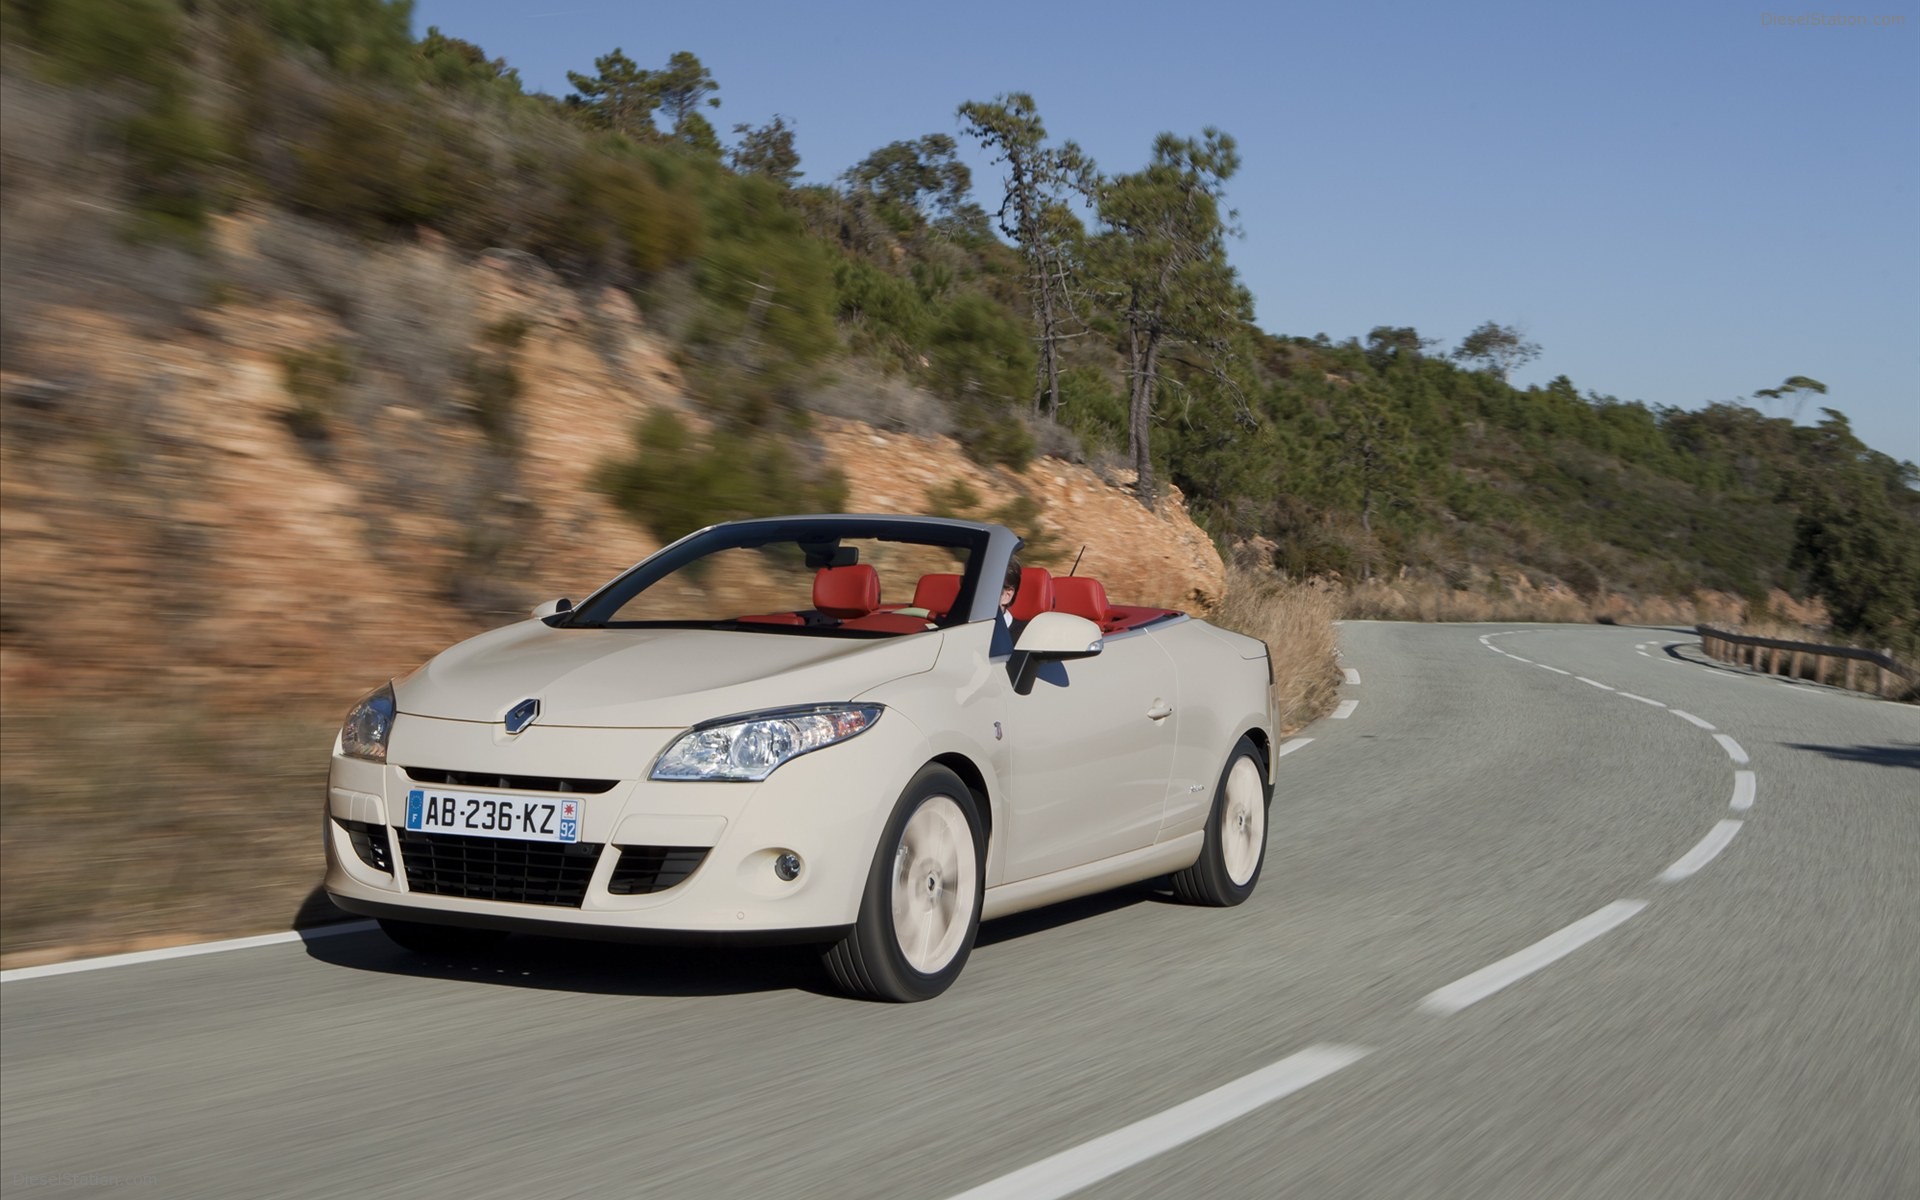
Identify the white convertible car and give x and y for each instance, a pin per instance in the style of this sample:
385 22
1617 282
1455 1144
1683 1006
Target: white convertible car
814 729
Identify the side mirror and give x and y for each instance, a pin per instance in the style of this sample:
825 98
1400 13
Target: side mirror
1051 637
552 608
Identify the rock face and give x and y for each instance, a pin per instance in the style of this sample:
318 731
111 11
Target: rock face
179 510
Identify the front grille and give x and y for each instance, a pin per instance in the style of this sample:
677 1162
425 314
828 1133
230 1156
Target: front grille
370 843
512 783
481 868
646 869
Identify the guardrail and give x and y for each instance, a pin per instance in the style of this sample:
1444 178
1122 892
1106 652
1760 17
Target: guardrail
1810 660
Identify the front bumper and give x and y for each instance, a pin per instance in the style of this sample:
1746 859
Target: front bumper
618 881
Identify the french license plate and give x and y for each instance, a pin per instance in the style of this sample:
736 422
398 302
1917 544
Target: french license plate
525 818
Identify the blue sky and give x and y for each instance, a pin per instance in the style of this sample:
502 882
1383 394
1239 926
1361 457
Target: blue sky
1681 204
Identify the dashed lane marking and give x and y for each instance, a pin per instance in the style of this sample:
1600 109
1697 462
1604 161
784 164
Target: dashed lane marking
1106 1156
1642 699
1555 670
1743 789
1595 683
1732 747
1687 716
1702 854
1353 676
1515 967
1287 748
1345 710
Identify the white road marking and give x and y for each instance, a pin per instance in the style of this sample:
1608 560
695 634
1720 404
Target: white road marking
1494 648
1515 967
1687 716
1702 854
1287 748
1595 683
1345 710
1517 658
1732 747
1643 654
1353 676
19 974
1555 670
1743 789
1643 699
1106 1156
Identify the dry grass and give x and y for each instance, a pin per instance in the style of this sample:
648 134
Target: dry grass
1516 597
127 823
1295 620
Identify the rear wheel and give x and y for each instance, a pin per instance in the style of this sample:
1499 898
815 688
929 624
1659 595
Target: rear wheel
453 940
1236 838
920 911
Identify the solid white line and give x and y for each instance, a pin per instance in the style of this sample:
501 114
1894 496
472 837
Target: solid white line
1702 854
1555 670
1495 649
1517 658
1515 967
1353 676
1287 748
1106 1156
1732 747
1643 699
1595 683
1345 710
19 974
1687 716
1743 789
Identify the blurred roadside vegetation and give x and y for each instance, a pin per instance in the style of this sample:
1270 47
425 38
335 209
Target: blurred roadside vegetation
1363 460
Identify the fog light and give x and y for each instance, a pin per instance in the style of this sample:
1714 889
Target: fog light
787 867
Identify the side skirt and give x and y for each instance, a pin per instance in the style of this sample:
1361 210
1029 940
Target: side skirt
1131 867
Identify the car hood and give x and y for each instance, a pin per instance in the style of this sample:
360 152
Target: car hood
650 678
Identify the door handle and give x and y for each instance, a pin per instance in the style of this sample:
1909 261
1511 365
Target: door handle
1160 711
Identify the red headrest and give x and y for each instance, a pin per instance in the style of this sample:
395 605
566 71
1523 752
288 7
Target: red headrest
846 591
1081 596
936 594
1035 595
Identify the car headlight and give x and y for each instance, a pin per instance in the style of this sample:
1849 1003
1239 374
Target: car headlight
750 748
369 725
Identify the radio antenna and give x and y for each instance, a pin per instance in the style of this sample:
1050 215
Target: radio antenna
1076 560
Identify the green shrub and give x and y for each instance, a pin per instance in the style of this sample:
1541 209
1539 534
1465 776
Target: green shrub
677 481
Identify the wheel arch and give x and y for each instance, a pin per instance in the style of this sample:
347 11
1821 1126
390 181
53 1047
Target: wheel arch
976 781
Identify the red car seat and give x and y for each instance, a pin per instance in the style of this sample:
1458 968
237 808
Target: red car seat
1081 596
1035 595
936 594
846 592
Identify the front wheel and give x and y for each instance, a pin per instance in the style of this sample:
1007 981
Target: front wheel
921 908
1236 839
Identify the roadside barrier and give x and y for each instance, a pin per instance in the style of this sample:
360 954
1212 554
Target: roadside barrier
1886 676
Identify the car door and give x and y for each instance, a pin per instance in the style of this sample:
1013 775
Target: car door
1089 754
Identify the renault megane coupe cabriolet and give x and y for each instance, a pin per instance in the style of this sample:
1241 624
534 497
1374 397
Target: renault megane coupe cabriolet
819 729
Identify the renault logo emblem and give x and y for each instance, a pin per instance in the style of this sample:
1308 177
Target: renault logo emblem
522 715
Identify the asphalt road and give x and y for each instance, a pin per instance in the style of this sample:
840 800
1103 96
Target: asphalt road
1743 1023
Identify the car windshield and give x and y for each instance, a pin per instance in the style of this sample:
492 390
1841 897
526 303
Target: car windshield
837 578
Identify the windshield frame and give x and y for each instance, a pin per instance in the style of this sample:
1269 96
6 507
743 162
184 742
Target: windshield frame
983 543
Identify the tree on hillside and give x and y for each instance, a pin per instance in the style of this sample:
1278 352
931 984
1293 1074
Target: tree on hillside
619 96
1499 349
1397 343
1163 263
1860 553
1035 211
1375 445
767 150
925 176
1792 393
683 87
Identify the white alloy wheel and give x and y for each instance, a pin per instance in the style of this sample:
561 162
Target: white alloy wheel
935 877
1243 826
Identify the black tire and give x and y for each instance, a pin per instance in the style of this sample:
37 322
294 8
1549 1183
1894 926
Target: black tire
869 962
453 941
1210 880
